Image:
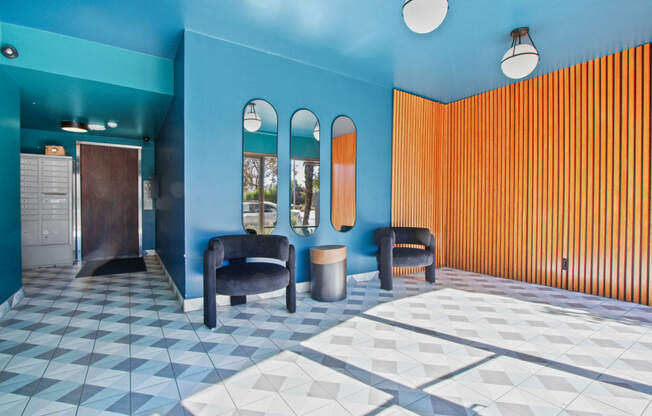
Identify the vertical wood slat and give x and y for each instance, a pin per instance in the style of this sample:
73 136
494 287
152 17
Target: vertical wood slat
513 180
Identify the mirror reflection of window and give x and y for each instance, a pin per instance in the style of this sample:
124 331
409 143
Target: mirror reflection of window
259 167
304 185
343 174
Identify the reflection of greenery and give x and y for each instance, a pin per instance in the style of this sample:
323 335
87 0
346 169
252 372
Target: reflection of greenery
294 220
270 194
267 230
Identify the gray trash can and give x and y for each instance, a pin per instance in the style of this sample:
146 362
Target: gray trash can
328 273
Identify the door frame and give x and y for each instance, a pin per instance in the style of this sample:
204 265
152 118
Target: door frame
77 210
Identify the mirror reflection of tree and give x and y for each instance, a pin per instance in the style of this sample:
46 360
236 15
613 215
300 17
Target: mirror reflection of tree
260 192
305 195
308 173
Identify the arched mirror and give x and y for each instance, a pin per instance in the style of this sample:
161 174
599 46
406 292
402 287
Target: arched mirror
259 167
343 173
304 186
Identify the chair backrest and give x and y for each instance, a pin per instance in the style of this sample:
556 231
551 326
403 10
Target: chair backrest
412 235
249 245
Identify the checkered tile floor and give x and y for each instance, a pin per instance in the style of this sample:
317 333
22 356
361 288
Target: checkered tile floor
473 344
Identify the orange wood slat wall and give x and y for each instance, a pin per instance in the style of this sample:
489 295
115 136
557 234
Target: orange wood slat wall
343 181
419 173
554 167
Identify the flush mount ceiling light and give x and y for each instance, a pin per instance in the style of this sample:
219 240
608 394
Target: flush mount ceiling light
315 132
74 127
9 52
252 120
112 124
521 59
96 126
424 16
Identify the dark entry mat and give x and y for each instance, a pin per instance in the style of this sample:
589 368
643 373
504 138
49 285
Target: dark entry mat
113 266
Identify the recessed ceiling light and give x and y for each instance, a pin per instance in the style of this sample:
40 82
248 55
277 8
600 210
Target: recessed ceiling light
96 126
112 124
9 52
74 127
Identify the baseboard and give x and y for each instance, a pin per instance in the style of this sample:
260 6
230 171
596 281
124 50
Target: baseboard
11 302
196 304
171 283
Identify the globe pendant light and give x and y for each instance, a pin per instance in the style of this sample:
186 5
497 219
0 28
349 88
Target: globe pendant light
315 132
522 58
424 16
252 121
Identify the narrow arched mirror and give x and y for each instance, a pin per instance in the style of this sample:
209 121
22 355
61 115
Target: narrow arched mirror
304 186
259 167
343 173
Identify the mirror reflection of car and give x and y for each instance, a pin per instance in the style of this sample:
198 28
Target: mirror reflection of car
250 214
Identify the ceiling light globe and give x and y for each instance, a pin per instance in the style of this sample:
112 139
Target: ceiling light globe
519 61
252 122
315 132
424 16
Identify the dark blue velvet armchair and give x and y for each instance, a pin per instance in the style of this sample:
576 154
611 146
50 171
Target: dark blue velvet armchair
390 256
239 278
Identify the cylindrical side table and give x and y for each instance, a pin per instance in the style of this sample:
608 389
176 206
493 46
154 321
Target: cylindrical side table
328 272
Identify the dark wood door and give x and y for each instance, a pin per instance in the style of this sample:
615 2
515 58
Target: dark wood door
109 202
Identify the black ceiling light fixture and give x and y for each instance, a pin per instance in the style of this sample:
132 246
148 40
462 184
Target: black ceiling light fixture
74 127
9 52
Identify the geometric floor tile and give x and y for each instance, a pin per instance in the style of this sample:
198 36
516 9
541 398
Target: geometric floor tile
468 345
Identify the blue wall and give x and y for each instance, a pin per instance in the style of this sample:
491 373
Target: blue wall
220 79
170 165
10 244
34 141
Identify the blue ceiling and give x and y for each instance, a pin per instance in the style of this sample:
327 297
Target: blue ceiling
365 39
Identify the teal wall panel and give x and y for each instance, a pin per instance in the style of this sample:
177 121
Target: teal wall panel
10 244
34 141
305 147
171 165
260 142
78 58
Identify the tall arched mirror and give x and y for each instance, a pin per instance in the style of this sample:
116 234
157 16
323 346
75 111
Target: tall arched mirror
304 186
259 167
343 173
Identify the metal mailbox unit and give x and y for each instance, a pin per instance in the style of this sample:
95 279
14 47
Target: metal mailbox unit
46 210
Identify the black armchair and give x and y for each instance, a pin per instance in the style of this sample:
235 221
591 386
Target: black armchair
390 256
239 278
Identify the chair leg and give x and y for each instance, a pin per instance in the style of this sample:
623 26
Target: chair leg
430 273
386 281
291 298
385 275
238 300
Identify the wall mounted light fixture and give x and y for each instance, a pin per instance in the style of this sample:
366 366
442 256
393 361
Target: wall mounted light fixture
522 58
74 127
252 120
424 16
9 52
